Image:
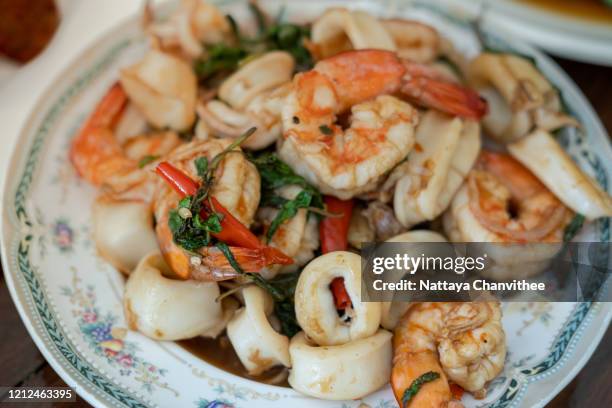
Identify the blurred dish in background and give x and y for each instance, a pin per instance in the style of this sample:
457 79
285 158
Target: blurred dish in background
574 29
26 27
596 11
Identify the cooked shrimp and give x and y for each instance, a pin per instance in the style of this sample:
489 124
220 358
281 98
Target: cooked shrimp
101 159
507 203
462 342
193 25
502 202
381 130
236 187
520 98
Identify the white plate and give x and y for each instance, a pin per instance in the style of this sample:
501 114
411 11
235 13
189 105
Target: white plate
70 300
560 34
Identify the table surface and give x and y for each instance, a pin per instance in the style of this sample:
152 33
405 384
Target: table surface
23 365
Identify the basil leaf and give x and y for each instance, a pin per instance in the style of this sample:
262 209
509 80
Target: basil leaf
260 18
326 130
201 164
573 227
175 222
416 386
288 210
285 312
147 160
219 58
213 223
271 199
282 290
185 202
224 248
275 173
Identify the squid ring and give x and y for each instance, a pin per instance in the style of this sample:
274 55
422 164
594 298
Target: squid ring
168 309
257 344
123 231
348 371
314 302
262 74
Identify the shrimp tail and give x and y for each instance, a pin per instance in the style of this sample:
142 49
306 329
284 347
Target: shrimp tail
425 86
250 260
95 143
446 97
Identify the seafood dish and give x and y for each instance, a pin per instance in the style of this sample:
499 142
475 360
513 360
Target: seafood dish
239 169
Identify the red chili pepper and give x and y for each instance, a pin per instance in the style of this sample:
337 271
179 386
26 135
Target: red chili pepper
334 230
341 296
233 232
179 181
456 391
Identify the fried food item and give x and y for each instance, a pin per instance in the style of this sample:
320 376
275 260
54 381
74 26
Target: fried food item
26 27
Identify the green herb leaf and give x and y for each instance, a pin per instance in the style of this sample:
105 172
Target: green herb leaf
185 202
326 130
147 160
201 164
416 386
274 174
217 159
573 227
270 199
211 224
233 27
220 58
175 222
224 248
288 210
285 312
260 17
282 290
284 307
185 233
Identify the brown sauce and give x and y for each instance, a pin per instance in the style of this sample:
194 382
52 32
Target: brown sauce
220 353
590 10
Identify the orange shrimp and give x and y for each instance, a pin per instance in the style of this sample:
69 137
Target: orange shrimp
348 160
101 159
463 342
510 202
